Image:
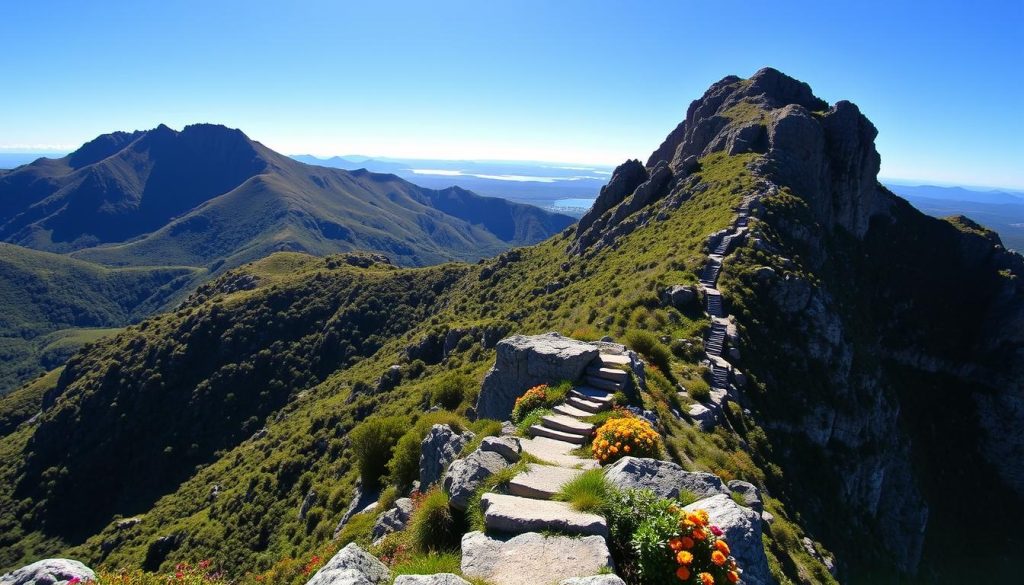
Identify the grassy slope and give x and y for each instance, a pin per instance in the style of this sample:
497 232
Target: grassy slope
253 521
54 304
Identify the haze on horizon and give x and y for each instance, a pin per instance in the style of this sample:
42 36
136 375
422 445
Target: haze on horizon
571 82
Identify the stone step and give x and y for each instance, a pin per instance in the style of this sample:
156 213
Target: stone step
569 410
542 431
567 424
515 515
533 558
541 482
587 405
592 394
613 374
602 384
611 359
556 452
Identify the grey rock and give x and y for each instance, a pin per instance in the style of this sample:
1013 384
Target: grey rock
308 502
749 492
515 515
507 447
465 475
532 558
393 520
437 579
679 296
437 450
48 572
525 361
352 566
606 579
625 179
363 500
742 528
662 477
767 517
508 429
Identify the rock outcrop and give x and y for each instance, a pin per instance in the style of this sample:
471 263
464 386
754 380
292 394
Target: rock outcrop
742 528
352 566
49 572
393 520
437 450
525 361
467 474
664 478
530 557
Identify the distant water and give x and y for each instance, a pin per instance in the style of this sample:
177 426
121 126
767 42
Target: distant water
582 203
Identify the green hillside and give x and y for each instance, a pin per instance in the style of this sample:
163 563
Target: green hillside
54 304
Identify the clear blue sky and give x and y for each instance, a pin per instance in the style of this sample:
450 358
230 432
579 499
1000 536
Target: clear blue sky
579 81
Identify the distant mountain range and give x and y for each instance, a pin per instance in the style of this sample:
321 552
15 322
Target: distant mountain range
999 210
208 194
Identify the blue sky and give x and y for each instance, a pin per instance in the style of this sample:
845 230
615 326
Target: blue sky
572 81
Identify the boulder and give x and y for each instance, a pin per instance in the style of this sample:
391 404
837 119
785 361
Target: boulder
507 447
742 530
532 558
678 296
439 448
526 361
749 493
48 572
352 566
606 579
393 520
465 475
664 478
437 579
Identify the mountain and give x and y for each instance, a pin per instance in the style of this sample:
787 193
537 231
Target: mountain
53 304
208 195
805 330
1002 211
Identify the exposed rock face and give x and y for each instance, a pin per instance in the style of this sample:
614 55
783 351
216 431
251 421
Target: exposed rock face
525 361
507 447
662 477
393 520
742 528
625 179
532 558
439 448
749 492
352 566
465 475
49 572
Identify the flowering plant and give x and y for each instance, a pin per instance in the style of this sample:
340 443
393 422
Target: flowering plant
532 399
700 552
620 437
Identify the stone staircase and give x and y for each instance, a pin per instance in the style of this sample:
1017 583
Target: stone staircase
715 343
713 302
709 276
528 508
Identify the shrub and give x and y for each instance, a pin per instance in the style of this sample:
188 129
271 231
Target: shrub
532 399
653 349
532 418
449 390
656 541
699 390
432 526
373 441
620 437
587 492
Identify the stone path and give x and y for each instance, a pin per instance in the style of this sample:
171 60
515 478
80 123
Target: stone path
508 553
707 414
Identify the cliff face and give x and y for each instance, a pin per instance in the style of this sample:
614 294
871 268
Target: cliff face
884 347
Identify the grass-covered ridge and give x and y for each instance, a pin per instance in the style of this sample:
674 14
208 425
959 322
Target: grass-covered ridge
301 354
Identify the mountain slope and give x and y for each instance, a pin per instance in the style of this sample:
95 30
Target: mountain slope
209 194
880 349
53 304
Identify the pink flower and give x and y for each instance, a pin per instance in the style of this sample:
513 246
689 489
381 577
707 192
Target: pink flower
716 531
75 580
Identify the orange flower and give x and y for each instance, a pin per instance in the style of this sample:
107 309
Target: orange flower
707 579
694 518
722 546
684 557
676 544
732 576
699 534
682 573
704 518
717 557
687 542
